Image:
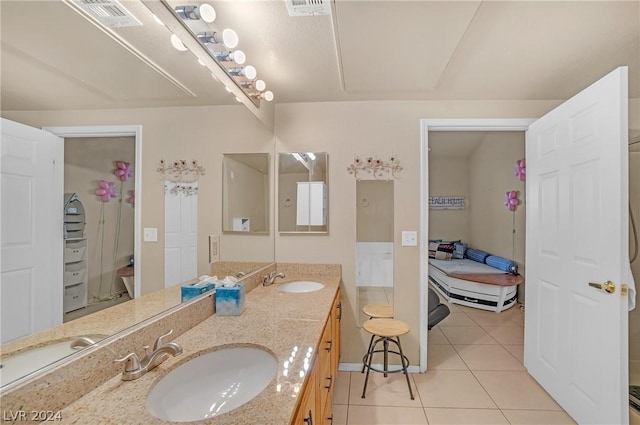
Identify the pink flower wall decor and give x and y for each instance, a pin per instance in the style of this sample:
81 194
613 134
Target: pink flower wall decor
106 190
521 170
124 171
132 197
511 200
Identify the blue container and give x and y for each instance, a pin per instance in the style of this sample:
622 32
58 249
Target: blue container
230 301
192 290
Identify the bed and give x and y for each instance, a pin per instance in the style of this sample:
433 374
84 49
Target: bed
473 284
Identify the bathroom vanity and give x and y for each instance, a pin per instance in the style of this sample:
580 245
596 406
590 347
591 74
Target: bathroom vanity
290 326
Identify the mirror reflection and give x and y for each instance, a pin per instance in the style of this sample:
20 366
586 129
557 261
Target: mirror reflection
303 192
374 243
245 193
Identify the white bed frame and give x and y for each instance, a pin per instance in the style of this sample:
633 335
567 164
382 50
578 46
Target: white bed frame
473 294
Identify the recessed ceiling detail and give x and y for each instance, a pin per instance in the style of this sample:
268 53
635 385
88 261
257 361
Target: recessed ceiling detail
109 13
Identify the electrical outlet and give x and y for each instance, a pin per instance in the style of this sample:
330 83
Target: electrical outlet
150 234
409 238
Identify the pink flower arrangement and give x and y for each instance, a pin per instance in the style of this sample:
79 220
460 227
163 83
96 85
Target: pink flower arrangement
511 200
521 170
124 171
106 190
132 197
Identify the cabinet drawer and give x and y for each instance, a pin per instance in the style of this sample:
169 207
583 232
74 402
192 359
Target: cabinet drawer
72 255
74 273
75 297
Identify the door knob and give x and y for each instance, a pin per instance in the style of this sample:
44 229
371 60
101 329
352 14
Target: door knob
608 286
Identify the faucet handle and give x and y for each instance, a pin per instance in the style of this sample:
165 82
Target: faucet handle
132 362
159 342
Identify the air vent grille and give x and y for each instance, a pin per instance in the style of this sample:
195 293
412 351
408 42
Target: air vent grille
109 13
308 7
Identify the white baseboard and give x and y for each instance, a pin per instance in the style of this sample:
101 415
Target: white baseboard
357 367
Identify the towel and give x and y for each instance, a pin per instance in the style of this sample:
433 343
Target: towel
476 255
503 264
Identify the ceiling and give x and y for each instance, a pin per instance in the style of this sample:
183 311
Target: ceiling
53 58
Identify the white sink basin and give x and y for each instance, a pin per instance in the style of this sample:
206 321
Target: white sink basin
298 286
212 384
17 365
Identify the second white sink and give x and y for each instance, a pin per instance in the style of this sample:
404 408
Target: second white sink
212 384
299 286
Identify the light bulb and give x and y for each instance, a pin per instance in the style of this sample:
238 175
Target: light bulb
177 43
250 72
261 85
230 38
238 57
268 95
207 12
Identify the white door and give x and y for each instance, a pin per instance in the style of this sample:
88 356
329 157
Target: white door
577 226
180 234
31 231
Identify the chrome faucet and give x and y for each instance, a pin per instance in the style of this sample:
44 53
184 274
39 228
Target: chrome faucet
271 277
134 367
81 342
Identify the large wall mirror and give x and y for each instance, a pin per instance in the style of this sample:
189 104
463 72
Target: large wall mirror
245 193
374 243
303 190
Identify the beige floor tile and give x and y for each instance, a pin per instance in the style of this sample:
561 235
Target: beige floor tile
452 388
383 415
515 390
517 350
457 319
444 357
467 335
537 417
340 414
381 391
506 334
439 416
511 317
341 389
488 357
436 336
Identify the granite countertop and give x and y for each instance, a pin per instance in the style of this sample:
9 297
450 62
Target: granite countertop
272 319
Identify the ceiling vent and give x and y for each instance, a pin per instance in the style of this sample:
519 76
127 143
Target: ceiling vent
308 7
109 13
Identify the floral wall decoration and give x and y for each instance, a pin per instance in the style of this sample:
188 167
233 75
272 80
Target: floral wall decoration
375 167
106 191
521 170
183 173
511 200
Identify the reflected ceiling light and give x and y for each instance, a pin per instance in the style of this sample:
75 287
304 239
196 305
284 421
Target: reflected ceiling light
236 56
311 155
248 72
201 63
229 38
206 12
177 43
261 85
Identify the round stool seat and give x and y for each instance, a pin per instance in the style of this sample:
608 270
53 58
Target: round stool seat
378 311
386 327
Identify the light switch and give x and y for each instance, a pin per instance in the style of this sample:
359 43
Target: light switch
409 238
150 234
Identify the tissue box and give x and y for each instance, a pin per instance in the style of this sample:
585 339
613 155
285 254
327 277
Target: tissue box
230 301
192 290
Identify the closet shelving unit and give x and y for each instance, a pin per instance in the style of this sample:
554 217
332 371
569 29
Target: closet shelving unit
76 272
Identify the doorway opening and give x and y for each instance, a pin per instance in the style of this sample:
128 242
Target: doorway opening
446 125
72 134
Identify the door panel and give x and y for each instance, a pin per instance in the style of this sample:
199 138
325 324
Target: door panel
31 231
575 334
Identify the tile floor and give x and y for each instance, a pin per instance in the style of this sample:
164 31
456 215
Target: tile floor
475 376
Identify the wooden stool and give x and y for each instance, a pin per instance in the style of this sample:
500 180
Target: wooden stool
386 330
376 311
